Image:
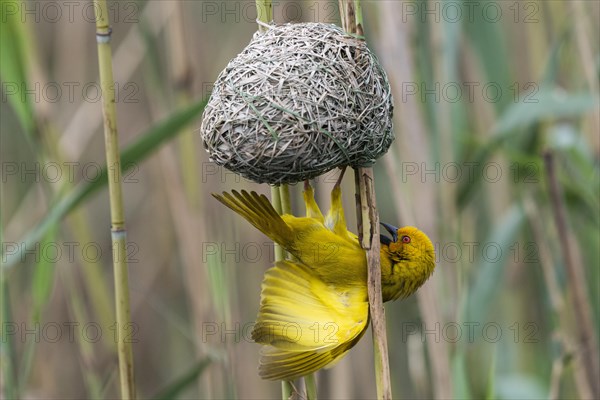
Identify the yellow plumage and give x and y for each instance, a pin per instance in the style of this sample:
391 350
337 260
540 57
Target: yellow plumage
305 323
313 310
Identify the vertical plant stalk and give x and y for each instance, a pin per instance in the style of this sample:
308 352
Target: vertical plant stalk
276 201
280 197
560 313
311 387
118 231
396 50
588 348
96 285
585 48
264 13
286 387
368 232
286 204
309 380
182 79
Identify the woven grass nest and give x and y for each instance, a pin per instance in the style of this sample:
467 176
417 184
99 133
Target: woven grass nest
298 101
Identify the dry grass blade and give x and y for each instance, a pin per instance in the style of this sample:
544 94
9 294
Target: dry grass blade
577 281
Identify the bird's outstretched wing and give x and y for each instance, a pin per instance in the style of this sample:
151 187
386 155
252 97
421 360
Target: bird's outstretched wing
300 342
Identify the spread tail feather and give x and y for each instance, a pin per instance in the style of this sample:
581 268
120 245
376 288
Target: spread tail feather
257 210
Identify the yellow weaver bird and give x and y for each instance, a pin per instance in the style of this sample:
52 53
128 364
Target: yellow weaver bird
315 308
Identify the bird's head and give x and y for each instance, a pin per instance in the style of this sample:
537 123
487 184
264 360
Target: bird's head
407 243
411 255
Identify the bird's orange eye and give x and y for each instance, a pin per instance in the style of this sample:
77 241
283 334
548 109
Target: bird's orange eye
405 239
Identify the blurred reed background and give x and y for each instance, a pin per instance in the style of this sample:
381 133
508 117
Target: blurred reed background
488 95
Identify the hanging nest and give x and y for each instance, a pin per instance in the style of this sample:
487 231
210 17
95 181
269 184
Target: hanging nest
298 101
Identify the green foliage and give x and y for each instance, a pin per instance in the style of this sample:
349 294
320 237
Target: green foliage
13 63
548 104
136 152
543 104
190 377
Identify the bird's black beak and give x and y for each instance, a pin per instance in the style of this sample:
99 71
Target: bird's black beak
392 231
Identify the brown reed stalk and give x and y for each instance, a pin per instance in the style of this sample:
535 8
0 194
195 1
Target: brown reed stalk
588 347
396 51
368 231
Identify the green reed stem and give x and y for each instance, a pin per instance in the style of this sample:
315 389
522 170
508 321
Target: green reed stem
118 231
286 205
276 201
286 387
264 10
311 387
